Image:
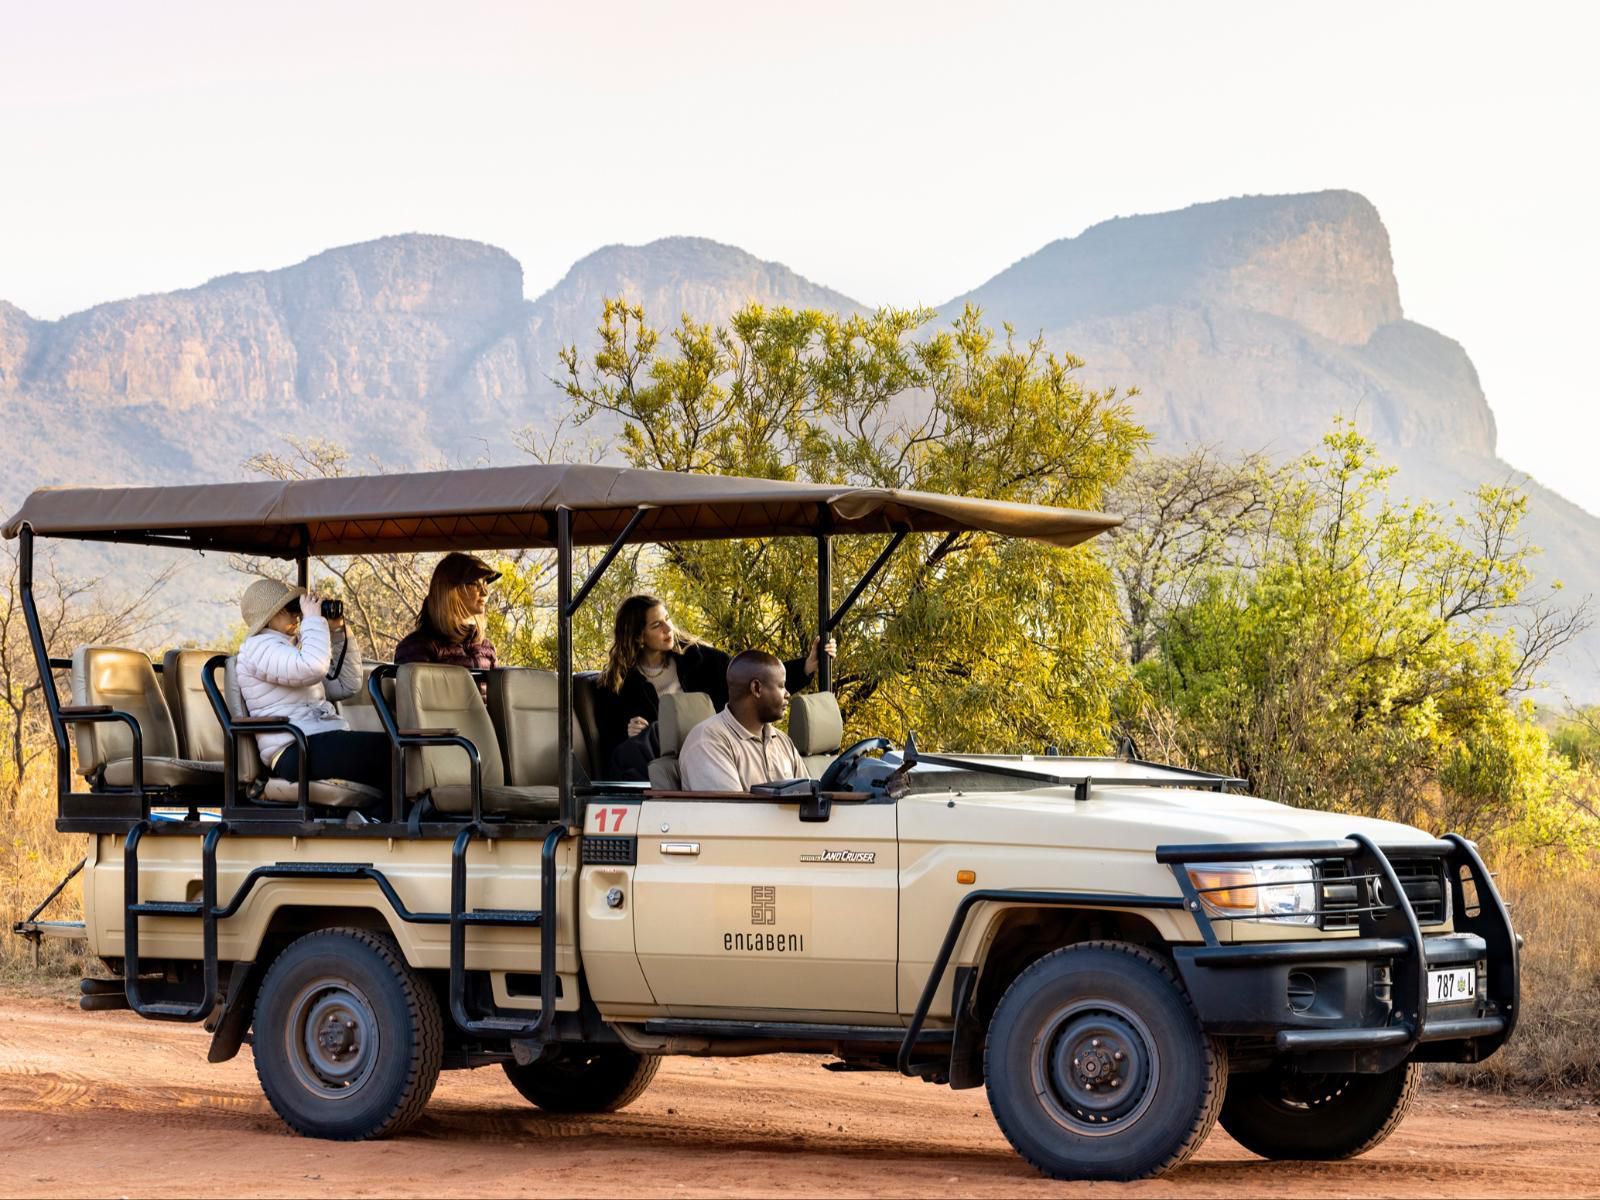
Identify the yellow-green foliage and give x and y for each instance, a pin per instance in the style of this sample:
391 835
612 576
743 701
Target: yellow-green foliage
973 643
1365 655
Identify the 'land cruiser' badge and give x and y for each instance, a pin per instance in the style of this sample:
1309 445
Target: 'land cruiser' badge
842 856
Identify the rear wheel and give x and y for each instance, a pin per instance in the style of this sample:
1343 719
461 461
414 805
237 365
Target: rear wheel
1285 1113
1097 1067
348 1038
585 1081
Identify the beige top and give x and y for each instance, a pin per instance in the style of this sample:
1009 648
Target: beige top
721 755
665 678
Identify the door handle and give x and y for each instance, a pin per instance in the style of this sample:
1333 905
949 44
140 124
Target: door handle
680 847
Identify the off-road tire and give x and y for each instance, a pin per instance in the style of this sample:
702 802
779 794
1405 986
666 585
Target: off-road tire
585 1081
1281 1113
379 1081
1057 1030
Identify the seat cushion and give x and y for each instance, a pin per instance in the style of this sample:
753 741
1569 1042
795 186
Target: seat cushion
665 775
165 772
533 801
335 793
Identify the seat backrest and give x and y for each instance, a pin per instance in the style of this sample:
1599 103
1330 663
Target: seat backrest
524 705
199 732
816 729
359 710
249 763
585 698
433 696
126 680
679 713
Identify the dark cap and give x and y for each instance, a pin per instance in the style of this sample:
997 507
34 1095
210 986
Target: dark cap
457 568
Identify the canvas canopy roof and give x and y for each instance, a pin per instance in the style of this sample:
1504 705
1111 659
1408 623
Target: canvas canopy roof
509 507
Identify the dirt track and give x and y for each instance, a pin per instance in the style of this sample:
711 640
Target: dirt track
106 1104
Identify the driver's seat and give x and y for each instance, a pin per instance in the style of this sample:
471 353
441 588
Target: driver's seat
817 729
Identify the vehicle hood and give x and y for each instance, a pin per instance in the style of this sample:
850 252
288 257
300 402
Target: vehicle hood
1121 819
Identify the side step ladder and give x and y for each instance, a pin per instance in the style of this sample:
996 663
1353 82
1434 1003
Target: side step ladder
205 909
461 917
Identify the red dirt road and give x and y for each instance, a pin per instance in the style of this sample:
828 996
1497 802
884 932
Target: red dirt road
107 1104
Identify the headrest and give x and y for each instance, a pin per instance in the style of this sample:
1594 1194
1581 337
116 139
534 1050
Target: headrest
815 726
681 712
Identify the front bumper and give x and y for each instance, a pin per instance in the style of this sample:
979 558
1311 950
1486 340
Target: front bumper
1358 1004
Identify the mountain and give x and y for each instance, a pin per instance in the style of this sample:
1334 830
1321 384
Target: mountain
1247 323
410 348
1253 323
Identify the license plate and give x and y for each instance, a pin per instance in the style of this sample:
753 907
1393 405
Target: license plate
1459 983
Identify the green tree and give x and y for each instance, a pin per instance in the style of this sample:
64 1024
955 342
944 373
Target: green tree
1366 655
970 641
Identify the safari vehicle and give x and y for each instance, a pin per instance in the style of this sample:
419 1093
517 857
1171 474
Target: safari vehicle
1120 952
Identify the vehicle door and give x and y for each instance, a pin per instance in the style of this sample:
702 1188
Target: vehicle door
739 904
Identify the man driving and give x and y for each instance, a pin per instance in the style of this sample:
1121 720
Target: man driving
738 747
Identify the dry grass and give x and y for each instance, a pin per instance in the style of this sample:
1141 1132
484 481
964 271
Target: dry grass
1556 1048
33 857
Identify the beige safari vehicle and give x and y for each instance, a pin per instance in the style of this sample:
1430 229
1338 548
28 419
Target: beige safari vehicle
1121 953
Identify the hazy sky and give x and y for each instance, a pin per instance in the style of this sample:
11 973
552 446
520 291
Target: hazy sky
896 152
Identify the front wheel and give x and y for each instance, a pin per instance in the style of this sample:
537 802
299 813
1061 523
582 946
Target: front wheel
585 1081
1285 1113
1097 1067
348 1038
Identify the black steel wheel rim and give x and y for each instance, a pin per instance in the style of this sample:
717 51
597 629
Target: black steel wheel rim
1095 1067
331 1038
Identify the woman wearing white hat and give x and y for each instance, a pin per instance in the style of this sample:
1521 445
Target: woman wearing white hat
294 661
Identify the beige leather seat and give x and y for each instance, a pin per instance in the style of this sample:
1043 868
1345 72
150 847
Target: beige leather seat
263 788
524 705
200 735
125 680
359 709
434 697
816 728
679 714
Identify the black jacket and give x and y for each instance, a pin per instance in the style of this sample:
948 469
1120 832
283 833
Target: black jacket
700 669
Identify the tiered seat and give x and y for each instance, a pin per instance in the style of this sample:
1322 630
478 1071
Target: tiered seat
265 789
125 680
679 714
359 709
524 705
200 735
431 697
816 728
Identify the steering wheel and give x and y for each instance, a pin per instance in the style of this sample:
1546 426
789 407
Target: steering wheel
844 766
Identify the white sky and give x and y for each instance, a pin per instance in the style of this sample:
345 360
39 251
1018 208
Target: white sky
897 152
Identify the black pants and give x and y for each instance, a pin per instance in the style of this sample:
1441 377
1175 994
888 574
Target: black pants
361 756
631 759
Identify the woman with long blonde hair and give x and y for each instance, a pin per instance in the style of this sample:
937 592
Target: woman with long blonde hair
450 625
649 659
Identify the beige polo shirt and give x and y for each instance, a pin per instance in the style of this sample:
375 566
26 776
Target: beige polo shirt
721 755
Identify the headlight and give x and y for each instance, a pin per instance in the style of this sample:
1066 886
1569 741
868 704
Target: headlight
1280 890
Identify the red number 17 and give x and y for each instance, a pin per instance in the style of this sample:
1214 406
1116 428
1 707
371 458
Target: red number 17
616 818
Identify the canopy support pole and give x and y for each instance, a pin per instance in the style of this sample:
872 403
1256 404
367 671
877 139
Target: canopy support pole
41 658
872 573
824 610
564 610
605 560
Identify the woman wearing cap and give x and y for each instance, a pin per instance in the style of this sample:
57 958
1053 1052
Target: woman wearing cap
650 659
293 663
450 626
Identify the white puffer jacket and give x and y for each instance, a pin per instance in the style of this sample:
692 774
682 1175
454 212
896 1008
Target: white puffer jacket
278 678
